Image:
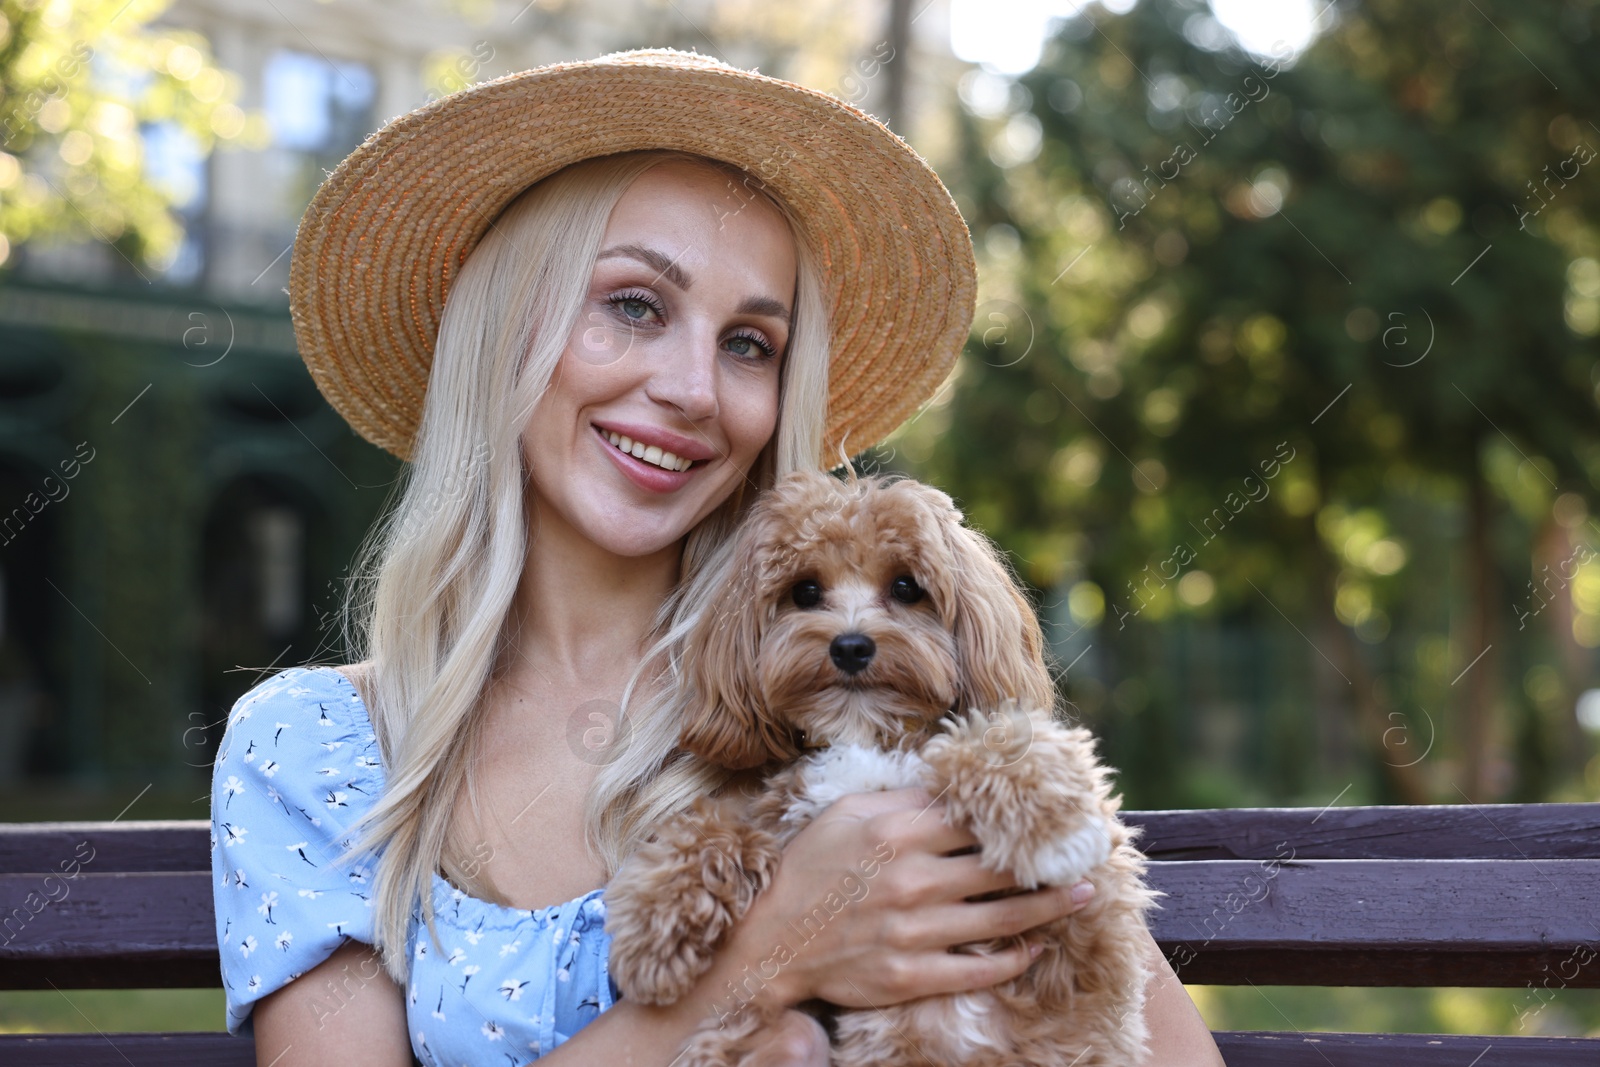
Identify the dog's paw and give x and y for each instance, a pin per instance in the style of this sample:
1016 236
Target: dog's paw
1068 858
648 975
672 902
998 739
1029 789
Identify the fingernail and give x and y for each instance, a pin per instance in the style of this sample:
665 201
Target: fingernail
1034 950
1082 892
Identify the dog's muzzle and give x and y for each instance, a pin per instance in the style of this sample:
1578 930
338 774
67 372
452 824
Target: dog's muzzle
852 652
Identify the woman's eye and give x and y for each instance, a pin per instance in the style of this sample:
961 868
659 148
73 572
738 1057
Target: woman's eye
636 307
750 347
806 594
905 589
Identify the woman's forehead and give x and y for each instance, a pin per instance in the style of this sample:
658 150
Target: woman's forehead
686 220
719 203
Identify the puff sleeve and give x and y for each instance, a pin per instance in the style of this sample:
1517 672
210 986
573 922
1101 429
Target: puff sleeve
298 764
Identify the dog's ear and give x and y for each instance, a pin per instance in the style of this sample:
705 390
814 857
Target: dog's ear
725 718
999 644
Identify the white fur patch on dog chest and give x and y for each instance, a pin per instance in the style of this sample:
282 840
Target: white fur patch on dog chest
844 769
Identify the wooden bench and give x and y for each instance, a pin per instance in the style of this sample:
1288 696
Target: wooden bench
1504 896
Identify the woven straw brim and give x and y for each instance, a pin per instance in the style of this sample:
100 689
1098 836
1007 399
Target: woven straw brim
387 233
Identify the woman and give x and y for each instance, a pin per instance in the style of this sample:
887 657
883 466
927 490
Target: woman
635 336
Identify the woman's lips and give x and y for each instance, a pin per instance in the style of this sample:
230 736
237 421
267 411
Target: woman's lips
646 476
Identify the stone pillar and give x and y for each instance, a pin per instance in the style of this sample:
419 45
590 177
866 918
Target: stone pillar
242 204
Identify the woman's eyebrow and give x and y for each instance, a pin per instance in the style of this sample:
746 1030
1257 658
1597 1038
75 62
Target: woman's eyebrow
763 305
651 258
669 269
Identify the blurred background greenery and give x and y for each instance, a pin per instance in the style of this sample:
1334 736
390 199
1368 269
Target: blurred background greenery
1283 392
1291 377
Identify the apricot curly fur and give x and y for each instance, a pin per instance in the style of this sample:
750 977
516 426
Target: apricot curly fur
685 889
957 697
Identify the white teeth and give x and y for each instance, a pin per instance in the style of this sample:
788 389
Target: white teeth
653 454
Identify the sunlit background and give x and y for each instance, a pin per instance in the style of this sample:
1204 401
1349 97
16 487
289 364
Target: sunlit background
1283 393
1007 37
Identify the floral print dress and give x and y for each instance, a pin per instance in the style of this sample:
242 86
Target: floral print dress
298 764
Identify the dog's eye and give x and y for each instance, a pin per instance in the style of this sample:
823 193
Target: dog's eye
905 589
806 594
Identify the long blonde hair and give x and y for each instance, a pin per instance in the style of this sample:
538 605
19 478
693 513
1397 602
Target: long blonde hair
429 605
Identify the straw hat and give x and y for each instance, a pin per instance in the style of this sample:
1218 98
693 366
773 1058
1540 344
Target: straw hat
385 235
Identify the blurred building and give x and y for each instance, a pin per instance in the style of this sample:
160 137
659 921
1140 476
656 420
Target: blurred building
214 501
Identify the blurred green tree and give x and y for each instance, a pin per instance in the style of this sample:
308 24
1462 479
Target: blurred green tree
1281 308
80 83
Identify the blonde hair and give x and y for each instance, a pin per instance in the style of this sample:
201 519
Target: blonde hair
431 598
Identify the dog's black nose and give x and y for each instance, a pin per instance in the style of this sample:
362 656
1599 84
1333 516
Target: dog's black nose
852 652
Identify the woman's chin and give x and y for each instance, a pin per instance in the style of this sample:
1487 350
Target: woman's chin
626 529
636 547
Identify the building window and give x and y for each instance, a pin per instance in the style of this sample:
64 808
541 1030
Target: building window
175 163
318 111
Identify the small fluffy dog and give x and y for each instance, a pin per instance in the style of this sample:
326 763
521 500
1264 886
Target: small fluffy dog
864 640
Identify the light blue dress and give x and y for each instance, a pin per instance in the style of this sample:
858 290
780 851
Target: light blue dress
298 763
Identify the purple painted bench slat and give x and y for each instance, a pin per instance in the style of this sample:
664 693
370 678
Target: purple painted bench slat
1240 1049
1488 895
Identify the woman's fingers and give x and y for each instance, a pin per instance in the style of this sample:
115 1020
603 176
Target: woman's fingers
985 920
912 820
942 860
965 876
927 974
930 968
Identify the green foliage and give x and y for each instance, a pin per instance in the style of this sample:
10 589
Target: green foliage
79 84
1312 343
1514 1012
83 1011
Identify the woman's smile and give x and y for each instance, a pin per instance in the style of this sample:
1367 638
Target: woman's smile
655 460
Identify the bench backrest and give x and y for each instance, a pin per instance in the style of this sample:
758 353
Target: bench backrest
1487 895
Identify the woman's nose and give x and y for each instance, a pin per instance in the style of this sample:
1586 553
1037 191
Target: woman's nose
687 379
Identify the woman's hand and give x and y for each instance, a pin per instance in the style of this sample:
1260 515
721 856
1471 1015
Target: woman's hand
867 902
